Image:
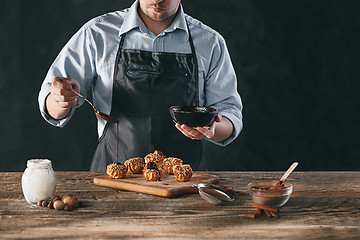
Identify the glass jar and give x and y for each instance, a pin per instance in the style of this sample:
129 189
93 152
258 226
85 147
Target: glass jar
38 180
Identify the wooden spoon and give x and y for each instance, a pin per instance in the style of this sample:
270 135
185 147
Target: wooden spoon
287 174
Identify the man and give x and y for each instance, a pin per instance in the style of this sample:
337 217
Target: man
139 62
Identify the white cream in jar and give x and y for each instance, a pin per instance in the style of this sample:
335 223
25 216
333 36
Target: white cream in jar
38 180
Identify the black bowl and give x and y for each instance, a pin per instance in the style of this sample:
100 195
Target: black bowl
193 116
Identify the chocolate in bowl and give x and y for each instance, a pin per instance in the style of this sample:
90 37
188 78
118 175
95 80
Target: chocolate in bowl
193 116
265 192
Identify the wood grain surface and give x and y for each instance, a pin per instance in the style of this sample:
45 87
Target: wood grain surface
166 187
324 205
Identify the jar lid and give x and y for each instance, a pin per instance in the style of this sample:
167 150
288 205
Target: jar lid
39 163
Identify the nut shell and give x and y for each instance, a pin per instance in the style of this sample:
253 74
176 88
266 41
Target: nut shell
116 170
135 165
183 173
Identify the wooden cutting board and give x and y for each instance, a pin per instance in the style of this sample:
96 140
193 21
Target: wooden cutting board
166 187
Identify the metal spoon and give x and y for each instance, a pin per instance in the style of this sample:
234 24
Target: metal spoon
213 194
101 115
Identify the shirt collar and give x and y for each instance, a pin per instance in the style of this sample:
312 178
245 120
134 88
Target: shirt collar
132 20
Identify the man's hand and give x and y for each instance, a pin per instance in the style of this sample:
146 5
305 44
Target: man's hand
60 100
221 129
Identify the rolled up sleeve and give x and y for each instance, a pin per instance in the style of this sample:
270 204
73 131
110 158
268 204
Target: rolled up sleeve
221 89
75 60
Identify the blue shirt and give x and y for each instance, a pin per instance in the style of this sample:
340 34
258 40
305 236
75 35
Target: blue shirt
89 57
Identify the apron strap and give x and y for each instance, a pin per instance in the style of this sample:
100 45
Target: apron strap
196 70
122 39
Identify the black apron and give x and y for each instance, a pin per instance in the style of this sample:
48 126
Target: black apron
146 84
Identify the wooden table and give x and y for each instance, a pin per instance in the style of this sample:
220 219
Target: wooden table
324 205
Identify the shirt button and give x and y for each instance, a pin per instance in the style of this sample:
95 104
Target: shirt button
170 36
157 40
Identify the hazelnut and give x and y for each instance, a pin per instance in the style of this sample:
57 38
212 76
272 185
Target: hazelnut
70 200
50 205
44 203
66 195
39 203
54 198
67 207
58 205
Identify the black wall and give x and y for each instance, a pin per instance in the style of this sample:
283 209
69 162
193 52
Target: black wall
298 75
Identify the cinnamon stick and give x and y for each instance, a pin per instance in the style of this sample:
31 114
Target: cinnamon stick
268 213
263 207
274 215
250 216
258 212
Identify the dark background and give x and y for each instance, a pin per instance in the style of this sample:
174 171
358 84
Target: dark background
298 75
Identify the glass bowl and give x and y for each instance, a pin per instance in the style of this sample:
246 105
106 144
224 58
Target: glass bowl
193 116
261 192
